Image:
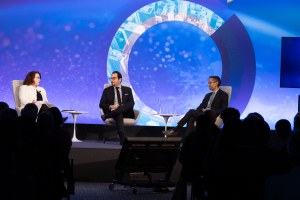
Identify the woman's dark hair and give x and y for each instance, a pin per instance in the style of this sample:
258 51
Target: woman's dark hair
30 76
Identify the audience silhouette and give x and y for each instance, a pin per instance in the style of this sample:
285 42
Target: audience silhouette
34 153
3 105
278 140
195 155
242 160
286 186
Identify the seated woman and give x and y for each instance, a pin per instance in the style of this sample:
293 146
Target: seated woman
31 92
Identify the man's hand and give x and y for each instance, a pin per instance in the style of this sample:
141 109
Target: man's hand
113 107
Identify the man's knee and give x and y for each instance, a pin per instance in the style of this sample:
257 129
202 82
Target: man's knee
193 112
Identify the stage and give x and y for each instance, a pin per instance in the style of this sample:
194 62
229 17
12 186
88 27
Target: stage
94 159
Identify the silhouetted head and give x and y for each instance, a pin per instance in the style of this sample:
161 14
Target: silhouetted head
297 121
211 114
45 121
231 133
293 146
283 128
57 116
3 105
204 123
30 110
229 113
257 132
254 116
8 114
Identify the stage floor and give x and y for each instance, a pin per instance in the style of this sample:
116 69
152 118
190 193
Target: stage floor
94 161
97 144
96 132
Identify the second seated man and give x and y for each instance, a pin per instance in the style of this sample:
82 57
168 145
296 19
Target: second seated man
117 102
216 100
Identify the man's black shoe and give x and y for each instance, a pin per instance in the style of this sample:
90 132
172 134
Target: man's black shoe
170 132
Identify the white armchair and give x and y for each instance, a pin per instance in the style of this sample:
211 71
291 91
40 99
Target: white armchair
228 90
16 86
127 121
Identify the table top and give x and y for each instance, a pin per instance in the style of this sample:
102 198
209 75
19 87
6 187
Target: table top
74 111
166 114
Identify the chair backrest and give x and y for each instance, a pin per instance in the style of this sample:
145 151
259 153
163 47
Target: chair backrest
228 90
104 86
127 121
16 86
107 85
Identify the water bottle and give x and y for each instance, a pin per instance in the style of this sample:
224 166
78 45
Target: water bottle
159 108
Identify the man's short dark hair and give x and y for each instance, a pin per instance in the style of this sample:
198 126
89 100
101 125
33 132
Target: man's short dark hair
217 79
118 73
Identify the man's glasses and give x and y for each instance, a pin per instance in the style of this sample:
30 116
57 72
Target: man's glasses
113 78
211 82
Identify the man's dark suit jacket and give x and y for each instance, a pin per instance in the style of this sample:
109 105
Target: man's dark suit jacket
108 97
219 103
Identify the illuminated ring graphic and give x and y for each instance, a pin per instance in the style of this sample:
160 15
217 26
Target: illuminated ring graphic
230 36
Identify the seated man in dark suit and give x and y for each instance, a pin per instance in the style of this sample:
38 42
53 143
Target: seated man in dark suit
117 102
216 100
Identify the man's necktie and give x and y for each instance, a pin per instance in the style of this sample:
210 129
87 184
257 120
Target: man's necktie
119 96
210 100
